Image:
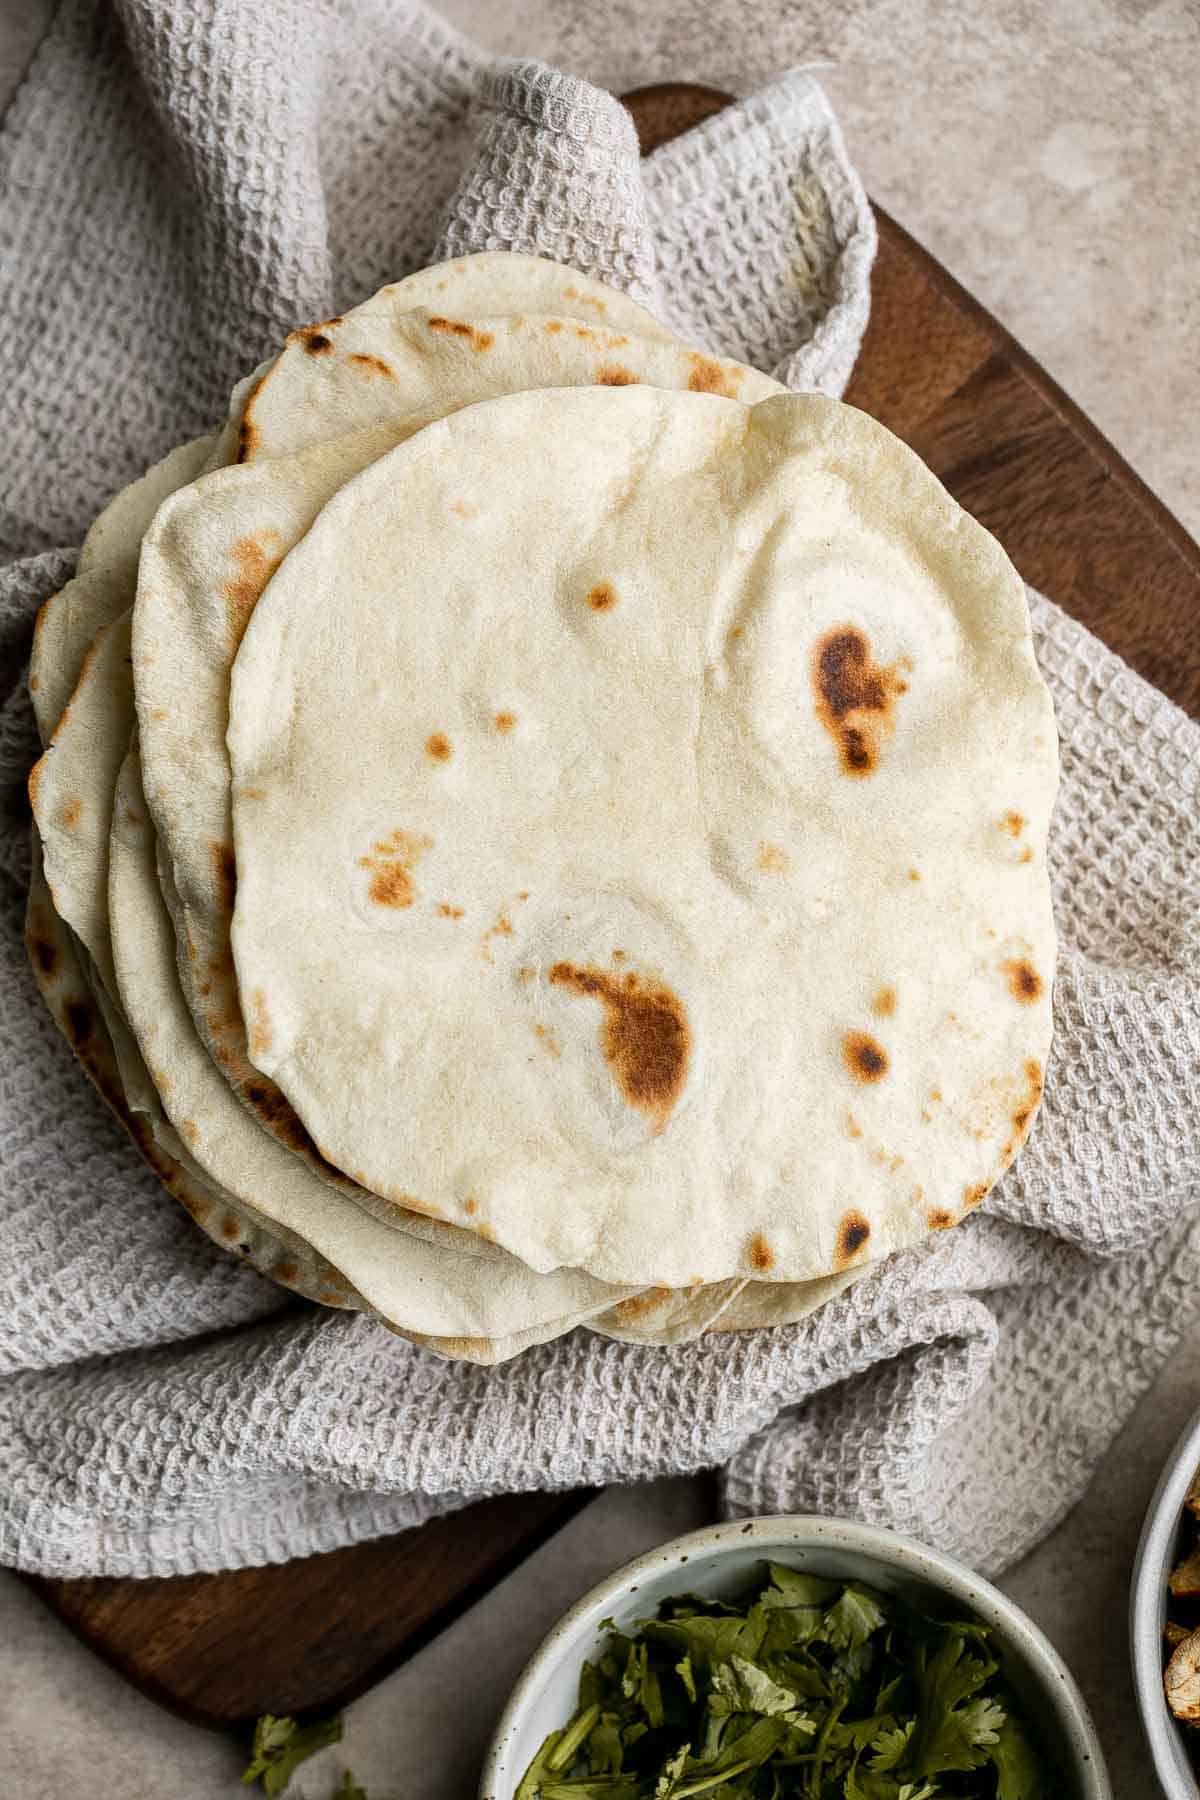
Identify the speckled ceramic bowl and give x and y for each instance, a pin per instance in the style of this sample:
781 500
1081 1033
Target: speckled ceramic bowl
721 1560
1156 1556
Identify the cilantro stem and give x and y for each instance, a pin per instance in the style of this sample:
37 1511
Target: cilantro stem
831 1718
563 1753
710 1781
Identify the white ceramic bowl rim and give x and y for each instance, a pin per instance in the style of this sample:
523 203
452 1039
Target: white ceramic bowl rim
1148 1611
917 1561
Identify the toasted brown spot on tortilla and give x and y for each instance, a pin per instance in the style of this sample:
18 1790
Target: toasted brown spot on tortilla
191 1131
553 325
373 365
331 1297
502 928
247 436
478 340
545 1036
225 874
486 1233
462 509
161 1080
465 1349
256 561
78 1019
34 684
571 293
1025 984
1026 855
939 1219
853 1128
615 375
230 1228
1013 823
525 974
884 1003
470 1204
1024 1112
43 954
314 338
638 1305
288 1270
645 1037
264 1098
586 333
504 721
260 1029
853 1232
772 860
446 911
866 1059
391 861
914 874
618 955
760 1253
854 697
439 747
134 815
603 597
973 1195
708 377
410 1203
35 780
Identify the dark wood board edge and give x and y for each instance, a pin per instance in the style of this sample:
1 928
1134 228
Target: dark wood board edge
1072 415
144 1646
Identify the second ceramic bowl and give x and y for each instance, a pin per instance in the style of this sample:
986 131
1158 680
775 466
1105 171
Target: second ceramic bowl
1156 1556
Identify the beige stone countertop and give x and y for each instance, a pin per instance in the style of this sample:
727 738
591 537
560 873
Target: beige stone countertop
1047 154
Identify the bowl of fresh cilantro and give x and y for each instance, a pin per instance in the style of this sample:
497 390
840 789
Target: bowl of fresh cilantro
795 1659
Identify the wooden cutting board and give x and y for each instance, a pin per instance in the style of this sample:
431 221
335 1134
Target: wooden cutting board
1079 524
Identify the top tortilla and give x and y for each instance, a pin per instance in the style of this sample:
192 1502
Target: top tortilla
641 836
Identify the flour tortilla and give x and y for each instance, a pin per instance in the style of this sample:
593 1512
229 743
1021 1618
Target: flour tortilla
777 736
335 376
104 582
206 558
70 791
381 366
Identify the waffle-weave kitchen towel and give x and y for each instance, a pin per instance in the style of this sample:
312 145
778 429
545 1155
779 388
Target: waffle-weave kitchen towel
182 182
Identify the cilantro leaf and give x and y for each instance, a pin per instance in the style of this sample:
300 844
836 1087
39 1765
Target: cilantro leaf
1019 1772
793 1587
640 1682
280 1746
889 1747
708 1641
954 1729
741 1686
853 1617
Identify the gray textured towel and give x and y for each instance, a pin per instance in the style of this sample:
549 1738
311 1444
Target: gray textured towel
185 180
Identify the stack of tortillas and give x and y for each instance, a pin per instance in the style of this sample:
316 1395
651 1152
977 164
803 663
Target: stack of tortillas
541 826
